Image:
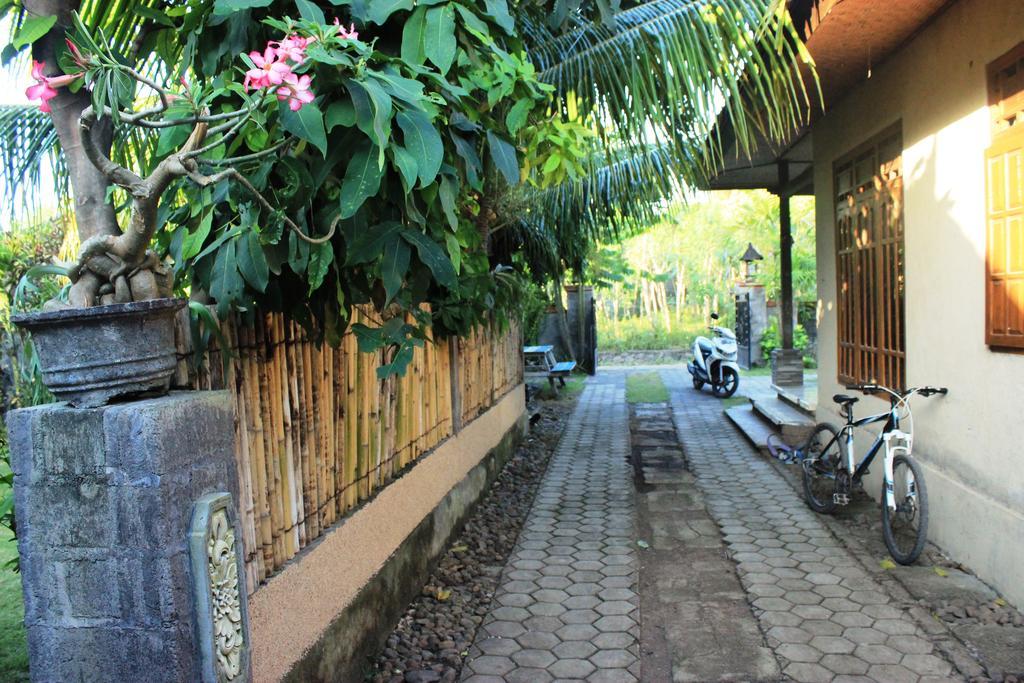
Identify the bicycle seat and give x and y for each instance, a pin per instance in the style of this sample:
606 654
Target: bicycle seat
844 400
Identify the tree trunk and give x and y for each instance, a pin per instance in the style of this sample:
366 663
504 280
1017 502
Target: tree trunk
563 322
93 214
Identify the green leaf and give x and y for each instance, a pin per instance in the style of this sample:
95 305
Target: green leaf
298 253
424 142
310 12
307 123
447 193
373 111
193 241
171 139
320 258
340 113
367 244
380 10
226 284
454 250
439 37
400 361
472 21
516 117
412 37
467 151
252 262
222 7
433 258
362 178
406 164
498 10
32 29
503 154
394 266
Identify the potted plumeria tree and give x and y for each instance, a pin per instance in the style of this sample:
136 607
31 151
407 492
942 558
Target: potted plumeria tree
118 314
319 172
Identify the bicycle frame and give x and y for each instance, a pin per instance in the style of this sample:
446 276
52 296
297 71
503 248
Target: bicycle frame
890 433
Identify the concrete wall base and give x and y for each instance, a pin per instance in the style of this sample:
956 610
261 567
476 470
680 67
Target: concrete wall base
105 499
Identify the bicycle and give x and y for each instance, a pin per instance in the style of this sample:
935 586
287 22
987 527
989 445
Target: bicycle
830 470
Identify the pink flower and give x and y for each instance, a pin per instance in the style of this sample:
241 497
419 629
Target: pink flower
346 33
269 70
293 48
76 54
296 91
45 88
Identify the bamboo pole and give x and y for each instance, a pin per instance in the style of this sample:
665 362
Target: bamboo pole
352 419
308 529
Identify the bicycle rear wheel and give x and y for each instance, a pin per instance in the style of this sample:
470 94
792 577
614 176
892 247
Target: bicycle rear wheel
823 456
906 529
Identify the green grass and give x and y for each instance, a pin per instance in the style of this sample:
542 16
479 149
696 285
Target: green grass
573 386
13 649
642 334
645 387
734 401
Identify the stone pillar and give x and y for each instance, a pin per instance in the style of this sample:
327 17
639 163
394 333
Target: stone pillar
106 501
580 314
758 318
787 367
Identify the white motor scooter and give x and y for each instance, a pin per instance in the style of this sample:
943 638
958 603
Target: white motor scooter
714 362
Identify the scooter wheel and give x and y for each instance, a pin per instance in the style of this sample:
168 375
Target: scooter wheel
698 384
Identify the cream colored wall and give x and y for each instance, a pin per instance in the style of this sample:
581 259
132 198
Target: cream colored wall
971 442
288 615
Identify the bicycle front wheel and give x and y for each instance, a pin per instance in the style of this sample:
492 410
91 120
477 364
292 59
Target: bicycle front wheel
823 456
906 528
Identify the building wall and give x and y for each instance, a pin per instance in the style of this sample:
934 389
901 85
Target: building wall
970 442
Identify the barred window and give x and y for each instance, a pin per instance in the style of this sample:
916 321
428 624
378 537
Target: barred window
1004 205
869 263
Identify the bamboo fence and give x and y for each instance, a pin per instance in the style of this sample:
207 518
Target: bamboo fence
317 433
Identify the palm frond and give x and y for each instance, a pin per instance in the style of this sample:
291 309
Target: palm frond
665 70
28 144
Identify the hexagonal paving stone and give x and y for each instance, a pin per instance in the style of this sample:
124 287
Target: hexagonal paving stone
557 582
498 646
575 649
505 629
510 614
797 652
892 673
571 668
613 641
895 627
926 665
546 609
577 632
538 640
611 676
789 634
544 624
808 673
538 659
528 675
491 665
844 664
833 644
822 627
613 659
773 604
614 607
909 645
579 616
584 589
877 654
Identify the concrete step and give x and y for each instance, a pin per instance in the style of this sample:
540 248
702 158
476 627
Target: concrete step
793 425
753 427
803 398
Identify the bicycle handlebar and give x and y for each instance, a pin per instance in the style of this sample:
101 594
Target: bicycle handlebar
873 388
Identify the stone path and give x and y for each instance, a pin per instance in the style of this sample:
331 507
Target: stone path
825 618
566 609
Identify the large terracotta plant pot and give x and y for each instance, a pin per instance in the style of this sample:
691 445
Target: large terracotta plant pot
90 356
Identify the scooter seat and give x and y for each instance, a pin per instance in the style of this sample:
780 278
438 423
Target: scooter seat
844 400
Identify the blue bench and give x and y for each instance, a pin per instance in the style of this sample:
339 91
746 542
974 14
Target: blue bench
539 361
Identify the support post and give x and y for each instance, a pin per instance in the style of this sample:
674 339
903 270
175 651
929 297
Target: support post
786 254
787 362
108 500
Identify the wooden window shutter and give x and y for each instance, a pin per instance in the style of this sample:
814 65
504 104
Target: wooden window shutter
1004 263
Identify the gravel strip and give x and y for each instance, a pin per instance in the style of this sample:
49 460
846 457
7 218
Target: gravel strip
433 637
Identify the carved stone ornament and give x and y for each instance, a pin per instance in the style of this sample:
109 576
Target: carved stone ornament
218 584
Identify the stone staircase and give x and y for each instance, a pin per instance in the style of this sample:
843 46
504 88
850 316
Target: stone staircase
788 414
